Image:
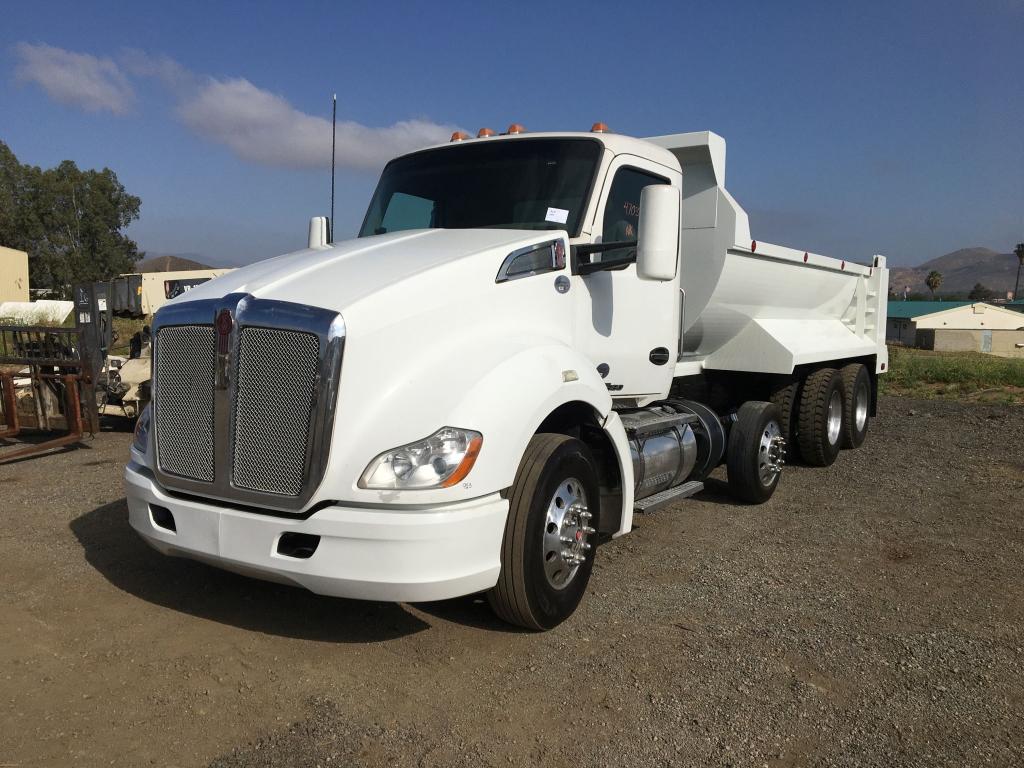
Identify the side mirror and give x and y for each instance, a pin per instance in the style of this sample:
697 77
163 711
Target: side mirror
657 246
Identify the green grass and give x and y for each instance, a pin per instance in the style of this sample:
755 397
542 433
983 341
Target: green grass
968 375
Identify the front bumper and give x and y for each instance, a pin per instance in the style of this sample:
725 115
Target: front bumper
403 555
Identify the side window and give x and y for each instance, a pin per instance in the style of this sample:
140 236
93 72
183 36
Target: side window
622 211
407 212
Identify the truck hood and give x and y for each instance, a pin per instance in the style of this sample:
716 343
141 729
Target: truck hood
346 272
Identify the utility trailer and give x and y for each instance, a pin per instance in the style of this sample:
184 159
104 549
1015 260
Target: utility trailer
533 338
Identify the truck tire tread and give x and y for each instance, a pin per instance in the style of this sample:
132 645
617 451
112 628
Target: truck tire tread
812 423
852 438
787 399
508 597
742 455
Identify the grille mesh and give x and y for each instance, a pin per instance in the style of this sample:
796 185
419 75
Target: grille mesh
184 403
276 377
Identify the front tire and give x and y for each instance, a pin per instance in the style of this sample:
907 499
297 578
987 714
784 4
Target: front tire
547 552
756 452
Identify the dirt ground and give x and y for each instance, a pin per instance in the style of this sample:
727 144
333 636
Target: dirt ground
870 614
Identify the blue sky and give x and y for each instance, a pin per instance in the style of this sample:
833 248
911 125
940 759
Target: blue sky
852 129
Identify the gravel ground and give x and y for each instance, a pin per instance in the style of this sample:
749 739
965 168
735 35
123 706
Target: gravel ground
870 614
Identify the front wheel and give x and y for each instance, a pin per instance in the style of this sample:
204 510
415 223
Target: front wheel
547 552
756 452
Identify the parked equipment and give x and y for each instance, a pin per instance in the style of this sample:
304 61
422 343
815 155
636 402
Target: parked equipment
534 338
54 371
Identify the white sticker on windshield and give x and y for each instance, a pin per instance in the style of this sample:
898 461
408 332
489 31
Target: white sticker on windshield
557 215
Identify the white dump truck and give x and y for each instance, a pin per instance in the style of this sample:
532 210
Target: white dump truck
534 338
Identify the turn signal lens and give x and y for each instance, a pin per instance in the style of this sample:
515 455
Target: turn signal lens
140 442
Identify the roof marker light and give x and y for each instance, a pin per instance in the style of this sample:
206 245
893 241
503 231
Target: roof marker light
514 129
460 136
599 128
484 132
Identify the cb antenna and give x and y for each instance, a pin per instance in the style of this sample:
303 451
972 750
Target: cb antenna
334 123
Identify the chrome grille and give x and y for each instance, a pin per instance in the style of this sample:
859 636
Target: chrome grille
276 386
184 408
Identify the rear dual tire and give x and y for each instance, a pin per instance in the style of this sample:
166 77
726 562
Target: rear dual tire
857 405
820 417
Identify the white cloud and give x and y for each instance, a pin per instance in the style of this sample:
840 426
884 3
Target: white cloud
165 69
77 79
255 124
263 127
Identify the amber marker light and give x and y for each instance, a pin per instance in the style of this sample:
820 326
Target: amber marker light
599 128
467 463
514 129
483 133
460 136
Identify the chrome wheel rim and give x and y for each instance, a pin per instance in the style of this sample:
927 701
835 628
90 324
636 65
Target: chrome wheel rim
835 417
771 453
567 533
861 407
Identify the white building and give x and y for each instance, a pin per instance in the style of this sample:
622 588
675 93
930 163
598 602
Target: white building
953 326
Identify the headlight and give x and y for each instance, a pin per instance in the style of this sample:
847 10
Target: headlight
439 461
141 441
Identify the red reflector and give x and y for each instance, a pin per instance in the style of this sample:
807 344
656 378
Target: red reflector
753 246
805 255
843 265
883 366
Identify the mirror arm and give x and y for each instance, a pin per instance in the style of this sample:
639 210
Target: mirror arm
590 267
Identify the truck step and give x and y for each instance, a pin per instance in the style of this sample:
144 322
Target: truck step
683 491
642 424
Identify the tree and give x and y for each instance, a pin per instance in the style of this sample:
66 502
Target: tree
1019 253
69 221
933 281
980 292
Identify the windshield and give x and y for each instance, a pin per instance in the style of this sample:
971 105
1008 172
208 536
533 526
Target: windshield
519 184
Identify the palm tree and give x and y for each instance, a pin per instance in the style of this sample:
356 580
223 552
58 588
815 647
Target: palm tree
1019 253
933 281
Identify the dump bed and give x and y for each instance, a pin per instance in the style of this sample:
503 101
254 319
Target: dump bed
754 306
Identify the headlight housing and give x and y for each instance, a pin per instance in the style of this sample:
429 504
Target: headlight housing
439 461
141 440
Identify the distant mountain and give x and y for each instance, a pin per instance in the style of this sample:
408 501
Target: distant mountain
169 262
960 271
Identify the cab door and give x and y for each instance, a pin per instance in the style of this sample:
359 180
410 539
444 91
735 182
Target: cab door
628 327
